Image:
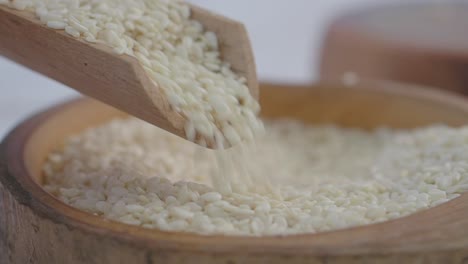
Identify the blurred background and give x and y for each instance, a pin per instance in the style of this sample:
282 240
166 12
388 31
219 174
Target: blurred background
287 37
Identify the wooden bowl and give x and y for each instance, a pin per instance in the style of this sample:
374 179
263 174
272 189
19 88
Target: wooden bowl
35 227
421 43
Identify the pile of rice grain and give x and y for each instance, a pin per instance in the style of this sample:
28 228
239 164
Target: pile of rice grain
328 177
176 53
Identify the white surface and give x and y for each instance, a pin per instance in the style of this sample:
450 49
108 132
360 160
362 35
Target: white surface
286 36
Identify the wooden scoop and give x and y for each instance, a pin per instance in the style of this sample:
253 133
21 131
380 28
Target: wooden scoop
118 80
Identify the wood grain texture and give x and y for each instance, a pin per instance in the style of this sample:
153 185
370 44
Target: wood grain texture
420 43
37 228
118 80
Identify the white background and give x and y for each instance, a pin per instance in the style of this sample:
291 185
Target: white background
286 36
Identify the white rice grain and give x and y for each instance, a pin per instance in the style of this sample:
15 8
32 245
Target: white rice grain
327 177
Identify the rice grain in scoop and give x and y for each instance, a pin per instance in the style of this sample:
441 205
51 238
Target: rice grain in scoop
176 52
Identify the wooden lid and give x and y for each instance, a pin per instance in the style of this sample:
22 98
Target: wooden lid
423 43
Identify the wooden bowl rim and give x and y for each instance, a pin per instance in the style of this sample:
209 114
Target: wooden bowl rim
379 238
349 23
